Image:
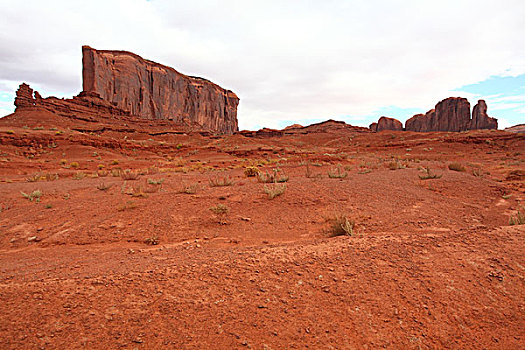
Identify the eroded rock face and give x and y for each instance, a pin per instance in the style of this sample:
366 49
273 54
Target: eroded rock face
385 123
452 114
154 91
24 97
480 118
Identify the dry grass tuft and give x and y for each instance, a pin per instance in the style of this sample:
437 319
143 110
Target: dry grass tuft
456 167
274 190
129 175
221 181
341 225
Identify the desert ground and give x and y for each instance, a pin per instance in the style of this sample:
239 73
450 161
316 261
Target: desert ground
129 237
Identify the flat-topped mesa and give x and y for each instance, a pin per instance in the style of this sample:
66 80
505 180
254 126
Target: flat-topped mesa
154 91
385 123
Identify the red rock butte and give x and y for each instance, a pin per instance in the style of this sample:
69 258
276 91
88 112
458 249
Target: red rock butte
121 83
451 114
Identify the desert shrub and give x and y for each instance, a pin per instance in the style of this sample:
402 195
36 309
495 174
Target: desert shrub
251 171
114 162
103 187
155 182
189 189
129 175
154 240
221 181
309 174
456 166
477 172
220 211
394 165
429 175
274 190
115 172
519 219
34 178
337 173
33 196
102 173
74 165
79 176
341 225
276 175
127 206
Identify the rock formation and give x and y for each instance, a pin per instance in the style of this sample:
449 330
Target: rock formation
154 91
480 118
385 123
452 114
24 96
520 129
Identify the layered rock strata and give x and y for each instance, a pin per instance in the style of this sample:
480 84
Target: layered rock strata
154 91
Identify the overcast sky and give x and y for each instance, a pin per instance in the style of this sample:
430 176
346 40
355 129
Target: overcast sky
293 61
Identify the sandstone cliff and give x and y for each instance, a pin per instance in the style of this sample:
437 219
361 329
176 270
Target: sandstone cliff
452 114
154 91
385 123
480 118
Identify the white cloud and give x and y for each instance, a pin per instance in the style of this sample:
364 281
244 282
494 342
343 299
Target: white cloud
293 60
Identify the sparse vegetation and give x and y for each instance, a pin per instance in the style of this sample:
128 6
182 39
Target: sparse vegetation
251 171
48 206
274 190
74 165
155 182
129 175
276 176
337 173
395 165
310 175
341 225
456 167
103 187
33 196
477 172
154 240
127 206
190 189
42 177
221 181
429 175
79 176
519 219
220 211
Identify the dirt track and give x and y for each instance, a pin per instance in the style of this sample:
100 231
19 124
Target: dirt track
432 263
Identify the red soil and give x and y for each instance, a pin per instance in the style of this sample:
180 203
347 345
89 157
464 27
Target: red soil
432 263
